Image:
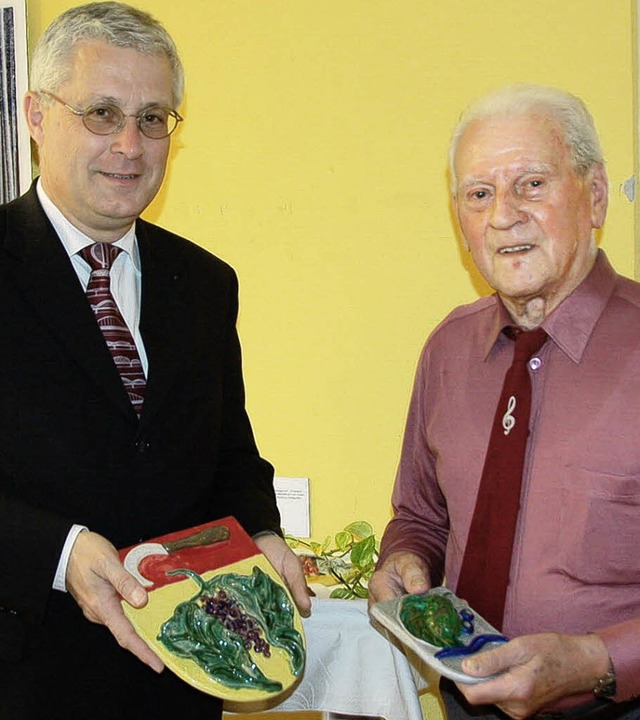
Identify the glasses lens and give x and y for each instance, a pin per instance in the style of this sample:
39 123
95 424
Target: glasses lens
103 119
157 122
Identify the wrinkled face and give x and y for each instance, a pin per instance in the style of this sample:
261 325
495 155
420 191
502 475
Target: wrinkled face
526 215
102 183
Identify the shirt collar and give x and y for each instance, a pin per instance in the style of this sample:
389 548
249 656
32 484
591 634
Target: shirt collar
571 324
495 336
73 239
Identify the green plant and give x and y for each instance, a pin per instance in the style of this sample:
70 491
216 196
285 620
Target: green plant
349 557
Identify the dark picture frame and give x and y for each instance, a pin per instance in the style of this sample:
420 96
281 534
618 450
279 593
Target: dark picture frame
15 147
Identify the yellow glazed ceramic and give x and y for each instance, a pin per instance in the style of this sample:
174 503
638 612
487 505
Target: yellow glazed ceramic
182 576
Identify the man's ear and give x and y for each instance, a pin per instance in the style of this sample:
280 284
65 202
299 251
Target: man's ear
34 116
599 195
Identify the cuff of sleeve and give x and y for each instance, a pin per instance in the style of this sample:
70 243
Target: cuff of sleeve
61 571
263 533
622 643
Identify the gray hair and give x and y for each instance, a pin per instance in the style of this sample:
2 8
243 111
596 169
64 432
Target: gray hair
569 111
112 22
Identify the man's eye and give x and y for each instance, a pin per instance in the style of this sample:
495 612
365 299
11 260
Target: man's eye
531 188
533 184
479 195
155 116
103 114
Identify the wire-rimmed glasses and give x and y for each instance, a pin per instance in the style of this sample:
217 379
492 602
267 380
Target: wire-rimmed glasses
105 118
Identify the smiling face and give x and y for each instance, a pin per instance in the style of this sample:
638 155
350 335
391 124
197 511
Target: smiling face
102 183
525 213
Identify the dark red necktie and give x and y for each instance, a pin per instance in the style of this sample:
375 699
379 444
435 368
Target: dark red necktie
122 347
484 575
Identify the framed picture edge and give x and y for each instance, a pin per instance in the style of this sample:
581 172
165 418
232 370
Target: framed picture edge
22 83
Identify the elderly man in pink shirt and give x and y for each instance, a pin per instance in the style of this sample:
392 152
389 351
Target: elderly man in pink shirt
530 188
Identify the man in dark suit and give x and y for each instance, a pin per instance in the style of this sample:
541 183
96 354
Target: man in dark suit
92 459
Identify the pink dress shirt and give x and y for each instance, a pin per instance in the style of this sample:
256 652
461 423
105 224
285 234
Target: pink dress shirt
576 559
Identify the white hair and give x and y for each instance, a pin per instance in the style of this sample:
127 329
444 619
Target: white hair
570 112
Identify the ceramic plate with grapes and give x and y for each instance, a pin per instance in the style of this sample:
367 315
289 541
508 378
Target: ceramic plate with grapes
231 631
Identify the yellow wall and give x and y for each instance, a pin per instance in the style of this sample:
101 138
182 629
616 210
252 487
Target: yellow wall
313 160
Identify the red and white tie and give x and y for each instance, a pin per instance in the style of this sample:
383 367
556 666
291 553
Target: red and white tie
122 347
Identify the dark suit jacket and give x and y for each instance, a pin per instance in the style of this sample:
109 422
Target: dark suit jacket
72 450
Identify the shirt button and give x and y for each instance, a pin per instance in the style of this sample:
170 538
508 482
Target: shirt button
535 363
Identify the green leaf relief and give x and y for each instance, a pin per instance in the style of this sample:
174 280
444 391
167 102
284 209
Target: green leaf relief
194 634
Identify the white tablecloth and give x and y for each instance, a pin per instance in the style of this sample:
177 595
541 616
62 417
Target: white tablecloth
351 668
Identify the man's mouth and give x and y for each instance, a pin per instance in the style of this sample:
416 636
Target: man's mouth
120 176
514 249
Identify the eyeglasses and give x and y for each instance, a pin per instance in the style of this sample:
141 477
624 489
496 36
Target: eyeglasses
106 119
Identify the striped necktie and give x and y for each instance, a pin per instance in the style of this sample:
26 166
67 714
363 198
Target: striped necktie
100 257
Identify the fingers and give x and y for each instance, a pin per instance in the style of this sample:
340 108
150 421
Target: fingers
534 671
414 580
126 585
288 566
97 581
383 586
401 573
489 662
294 578
115 620
94 569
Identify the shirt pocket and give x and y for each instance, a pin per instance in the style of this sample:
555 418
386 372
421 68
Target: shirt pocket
600 528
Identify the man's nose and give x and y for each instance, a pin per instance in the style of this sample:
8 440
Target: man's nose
128 140
507 209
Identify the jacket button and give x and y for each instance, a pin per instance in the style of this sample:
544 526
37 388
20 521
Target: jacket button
142 446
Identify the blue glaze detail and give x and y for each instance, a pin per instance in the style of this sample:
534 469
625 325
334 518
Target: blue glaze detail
472 647
467 618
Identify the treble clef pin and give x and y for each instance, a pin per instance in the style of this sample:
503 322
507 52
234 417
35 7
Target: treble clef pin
508 421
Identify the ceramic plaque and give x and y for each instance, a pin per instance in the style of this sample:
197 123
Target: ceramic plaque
219 615
461 631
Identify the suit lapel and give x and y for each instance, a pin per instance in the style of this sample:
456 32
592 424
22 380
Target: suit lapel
164 316
41 269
